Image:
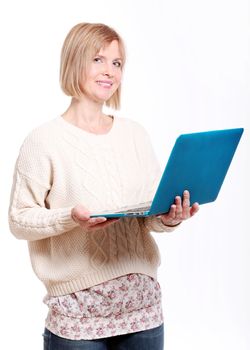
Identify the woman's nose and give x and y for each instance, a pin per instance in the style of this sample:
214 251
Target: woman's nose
108 71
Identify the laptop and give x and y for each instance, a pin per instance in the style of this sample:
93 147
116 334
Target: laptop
198 163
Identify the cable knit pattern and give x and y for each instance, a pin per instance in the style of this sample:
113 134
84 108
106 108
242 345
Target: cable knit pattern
60 166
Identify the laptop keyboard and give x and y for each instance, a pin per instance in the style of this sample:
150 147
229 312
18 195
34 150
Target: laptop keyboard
143 207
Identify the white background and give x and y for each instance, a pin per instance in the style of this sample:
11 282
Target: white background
187 70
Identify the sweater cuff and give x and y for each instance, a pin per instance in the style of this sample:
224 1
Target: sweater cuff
66 219
164 227
169 227
154 223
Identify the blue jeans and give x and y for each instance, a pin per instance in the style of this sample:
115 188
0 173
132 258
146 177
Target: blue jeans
151 339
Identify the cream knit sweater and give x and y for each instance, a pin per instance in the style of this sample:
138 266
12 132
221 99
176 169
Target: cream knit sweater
60 166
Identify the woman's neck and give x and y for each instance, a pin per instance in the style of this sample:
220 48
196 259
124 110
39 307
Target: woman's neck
88 116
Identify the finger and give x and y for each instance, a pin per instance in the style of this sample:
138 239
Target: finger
80 219
80 213
96 221
171 213
178 211
194 209
186 204
103 224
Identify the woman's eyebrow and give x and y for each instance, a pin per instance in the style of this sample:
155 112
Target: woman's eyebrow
115 59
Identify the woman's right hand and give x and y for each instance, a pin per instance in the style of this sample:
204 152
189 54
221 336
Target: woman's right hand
82 216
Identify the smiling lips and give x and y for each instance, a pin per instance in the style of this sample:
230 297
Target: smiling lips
105 83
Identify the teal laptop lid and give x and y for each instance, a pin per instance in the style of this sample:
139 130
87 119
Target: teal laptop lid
199 163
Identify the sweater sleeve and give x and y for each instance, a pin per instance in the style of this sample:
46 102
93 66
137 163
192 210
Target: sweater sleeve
29 218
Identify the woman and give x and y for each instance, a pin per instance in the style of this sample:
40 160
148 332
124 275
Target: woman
100 275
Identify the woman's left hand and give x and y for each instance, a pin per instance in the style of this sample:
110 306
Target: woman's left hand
180 210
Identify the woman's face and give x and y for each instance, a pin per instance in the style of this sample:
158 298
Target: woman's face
104 73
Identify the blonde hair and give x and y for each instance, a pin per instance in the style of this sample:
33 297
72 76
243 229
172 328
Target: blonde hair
81 44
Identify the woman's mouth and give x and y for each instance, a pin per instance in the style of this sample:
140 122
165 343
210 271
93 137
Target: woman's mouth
105 83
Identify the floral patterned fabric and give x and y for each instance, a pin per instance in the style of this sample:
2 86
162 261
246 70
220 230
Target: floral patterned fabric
124 305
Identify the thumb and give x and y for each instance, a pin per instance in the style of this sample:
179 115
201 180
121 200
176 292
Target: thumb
80 212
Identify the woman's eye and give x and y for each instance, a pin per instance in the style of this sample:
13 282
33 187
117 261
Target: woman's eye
97 59
117 64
